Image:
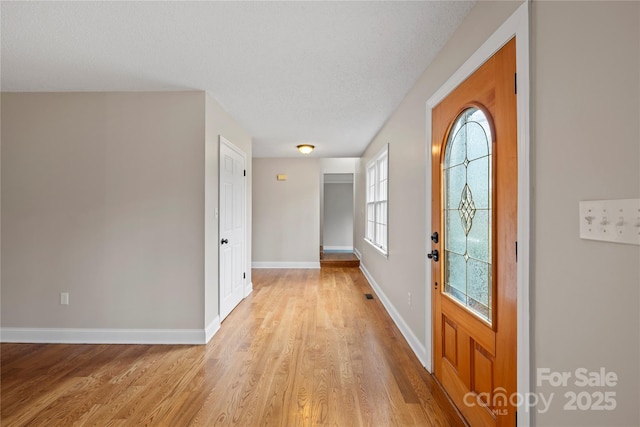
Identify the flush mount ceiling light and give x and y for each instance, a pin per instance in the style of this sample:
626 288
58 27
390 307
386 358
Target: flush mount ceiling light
305 148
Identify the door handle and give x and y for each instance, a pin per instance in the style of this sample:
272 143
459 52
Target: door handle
223 241
433 255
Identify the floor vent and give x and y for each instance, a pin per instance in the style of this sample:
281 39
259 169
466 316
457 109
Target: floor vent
369 296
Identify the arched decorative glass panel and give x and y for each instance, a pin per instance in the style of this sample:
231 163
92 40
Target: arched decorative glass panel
467 213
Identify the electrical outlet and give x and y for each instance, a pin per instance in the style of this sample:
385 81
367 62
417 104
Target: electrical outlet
64 298
409 298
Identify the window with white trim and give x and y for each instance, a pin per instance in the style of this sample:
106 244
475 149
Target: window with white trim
377 229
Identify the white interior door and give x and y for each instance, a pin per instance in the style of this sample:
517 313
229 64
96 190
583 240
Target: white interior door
232 226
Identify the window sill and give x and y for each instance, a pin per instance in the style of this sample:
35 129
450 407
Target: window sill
378 249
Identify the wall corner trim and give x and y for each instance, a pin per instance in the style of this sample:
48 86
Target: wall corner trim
211 329
248 288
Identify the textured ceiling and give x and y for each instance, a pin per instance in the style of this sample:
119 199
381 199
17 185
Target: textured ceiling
325 73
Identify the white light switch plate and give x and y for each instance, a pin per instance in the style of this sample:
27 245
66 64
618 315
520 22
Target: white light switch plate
611 220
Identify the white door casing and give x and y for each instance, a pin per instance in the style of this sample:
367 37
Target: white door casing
232 188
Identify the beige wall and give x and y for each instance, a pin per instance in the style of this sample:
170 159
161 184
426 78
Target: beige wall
111 197
286 214
219 122
585 145
102 197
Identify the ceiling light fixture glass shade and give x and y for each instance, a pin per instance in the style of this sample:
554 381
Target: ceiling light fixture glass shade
305 148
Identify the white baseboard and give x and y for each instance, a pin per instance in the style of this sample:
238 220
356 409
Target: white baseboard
418 349
285 265
211 329
357 252
108 336
338 248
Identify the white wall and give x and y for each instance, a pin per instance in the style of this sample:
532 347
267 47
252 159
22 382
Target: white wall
585 295
102 197
286 214
338 216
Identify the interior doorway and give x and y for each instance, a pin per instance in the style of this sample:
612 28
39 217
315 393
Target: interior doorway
337 212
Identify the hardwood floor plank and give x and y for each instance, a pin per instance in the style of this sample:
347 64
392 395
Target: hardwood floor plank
306 348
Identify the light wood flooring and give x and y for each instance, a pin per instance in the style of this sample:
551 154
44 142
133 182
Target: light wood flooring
306 348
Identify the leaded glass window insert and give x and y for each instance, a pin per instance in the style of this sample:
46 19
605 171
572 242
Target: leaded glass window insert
467 186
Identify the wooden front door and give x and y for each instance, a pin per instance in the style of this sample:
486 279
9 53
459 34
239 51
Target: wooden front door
474 158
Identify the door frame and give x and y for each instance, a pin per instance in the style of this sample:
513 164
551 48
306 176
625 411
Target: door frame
352 181
245 291
516 25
